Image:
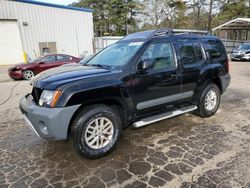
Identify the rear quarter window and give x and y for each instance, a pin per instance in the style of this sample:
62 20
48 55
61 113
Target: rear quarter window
215 48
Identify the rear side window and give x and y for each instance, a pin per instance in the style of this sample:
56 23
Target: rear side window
63 58
215 48
190 52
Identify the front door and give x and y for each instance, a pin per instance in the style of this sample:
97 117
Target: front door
47 62
160 86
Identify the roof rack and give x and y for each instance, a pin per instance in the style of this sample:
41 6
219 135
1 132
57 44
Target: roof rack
163 32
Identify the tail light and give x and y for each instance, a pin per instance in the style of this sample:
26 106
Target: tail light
227 66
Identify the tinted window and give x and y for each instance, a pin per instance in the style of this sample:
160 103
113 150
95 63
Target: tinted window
49 59
161 54
63 58
190 52
198 50
215 48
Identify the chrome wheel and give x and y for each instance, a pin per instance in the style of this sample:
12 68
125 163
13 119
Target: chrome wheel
28 74
210 100
99 133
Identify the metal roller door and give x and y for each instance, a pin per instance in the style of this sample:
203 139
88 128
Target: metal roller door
11 51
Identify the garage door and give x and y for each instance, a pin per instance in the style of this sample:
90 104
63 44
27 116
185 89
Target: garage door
11 51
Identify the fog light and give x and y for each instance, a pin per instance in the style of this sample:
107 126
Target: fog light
43 128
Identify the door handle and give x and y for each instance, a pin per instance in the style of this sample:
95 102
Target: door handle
175 75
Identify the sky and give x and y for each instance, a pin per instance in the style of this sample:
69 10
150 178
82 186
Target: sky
60 2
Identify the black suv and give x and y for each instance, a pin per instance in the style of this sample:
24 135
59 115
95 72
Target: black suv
144 78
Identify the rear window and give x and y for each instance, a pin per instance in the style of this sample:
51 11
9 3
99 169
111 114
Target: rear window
215 48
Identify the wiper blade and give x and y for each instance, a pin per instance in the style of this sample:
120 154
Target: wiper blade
99 65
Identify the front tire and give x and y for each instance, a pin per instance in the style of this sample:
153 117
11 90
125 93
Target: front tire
96 131
209 101
28 74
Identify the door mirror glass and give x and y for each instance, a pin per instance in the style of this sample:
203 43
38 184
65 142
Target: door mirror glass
146 64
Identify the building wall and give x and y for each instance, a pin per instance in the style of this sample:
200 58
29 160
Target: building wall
102 42
72 30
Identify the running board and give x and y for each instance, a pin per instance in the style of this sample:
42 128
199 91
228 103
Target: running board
163 116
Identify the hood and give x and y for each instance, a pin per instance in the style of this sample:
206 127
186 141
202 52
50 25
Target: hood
24 65
55 77
236 51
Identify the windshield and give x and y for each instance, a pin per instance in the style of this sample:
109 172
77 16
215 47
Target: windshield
36 59
244 47
86 59
115 55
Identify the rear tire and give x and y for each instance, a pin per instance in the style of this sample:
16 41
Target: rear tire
96 131
209 101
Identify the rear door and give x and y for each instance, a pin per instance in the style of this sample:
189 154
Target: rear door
192 58
63 59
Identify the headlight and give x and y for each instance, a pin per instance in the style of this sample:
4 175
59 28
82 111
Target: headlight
49 98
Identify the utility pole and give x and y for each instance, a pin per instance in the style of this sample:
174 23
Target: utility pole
210 15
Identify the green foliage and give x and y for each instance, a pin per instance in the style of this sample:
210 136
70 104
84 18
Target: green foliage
121 17
112 17
233 10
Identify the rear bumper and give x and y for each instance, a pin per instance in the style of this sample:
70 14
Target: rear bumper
225 81
47 123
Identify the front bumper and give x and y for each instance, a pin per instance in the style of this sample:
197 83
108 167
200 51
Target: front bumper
48 123
225 81
15 74
240 56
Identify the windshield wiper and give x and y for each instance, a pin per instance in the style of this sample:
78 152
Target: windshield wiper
99 65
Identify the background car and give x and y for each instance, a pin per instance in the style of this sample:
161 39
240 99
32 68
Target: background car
241 53
28 70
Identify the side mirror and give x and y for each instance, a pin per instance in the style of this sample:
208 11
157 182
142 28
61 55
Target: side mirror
146 65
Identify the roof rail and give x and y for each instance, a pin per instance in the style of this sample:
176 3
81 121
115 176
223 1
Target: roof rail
163 32
190 31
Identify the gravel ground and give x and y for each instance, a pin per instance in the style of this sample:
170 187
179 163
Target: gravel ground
185 151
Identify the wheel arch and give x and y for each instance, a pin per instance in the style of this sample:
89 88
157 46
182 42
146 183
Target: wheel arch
215 80
113 103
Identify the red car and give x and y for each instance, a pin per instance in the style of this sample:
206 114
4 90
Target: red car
27 71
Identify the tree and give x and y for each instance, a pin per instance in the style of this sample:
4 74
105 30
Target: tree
112 17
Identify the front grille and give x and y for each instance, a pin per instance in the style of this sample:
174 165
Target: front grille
36 93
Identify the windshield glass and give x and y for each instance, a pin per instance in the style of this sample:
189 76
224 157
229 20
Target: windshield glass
115 55
244 47
86 59
36 59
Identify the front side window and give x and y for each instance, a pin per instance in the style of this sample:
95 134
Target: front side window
115 55
161 54
49 59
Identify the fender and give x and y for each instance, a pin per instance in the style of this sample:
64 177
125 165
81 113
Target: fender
209 73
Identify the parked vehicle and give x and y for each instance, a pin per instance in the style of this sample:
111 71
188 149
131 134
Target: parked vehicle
28 70
144 78
242 53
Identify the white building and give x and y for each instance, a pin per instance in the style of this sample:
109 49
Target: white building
35 28
102 42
